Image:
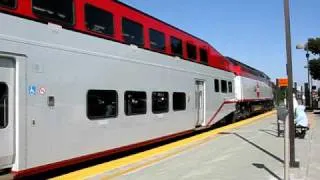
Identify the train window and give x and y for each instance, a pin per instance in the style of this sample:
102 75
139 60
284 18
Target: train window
132 32
157 40
102 104
98 20
8 3
191 51
3 105
176 46
216 85
160 102
56 10
224 87
179 101
135 102
230 86
203 56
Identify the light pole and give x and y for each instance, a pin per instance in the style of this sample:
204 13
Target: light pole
305 47
293 162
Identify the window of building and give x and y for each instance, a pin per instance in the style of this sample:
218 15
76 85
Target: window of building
8 3
98 20
132 32
102 104
3 105
203 56
224 87
230 86
135 102
55 10
216 85
160 102
191 51
176 46
179 101
157 40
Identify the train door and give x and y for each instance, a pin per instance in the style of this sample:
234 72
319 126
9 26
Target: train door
200 103
6 112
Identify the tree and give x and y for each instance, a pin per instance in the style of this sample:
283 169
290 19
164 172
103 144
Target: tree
314 46
314 64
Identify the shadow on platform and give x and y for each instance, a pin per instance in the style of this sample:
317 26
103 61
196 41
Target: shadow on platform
259 147
270 132
262 166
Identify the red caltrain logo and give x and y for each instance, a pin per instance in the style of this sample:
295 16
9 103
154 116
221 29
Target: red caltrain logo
257 90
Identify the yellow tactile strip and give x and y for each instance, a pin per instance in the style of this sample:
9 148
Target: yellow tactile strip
134 162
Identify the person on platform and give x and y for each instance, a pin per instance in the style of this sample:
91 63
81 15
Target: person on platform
301 117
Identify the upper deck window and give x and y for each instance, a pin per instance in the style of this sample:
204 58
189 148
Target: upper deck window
176 46
132 32
8 3
157 40
98 20
192 51
203 56
60 11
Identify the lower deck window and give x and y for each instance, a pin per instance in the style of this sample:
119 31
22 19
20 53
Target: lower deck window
179 101
3 105
160 102
224 87
216 85
230 86
135 102
102 104
8 3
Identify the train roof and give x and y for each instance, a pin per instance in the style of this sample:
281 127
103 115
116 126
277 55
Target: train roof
120 11
248 68
159 20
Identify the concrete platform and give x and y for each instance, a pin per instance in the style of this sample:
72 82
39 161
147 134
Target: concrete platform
250 152
249 149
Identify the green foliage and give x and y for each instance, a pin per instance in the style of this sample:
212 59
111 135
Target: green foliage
314 45
314 66
280 95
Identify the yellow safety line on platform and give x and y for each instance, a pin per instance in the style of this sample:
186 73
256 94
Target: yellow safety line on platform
111 165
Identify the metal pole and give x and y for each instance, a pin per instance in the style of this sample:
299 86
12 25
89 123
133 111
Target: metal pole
309 80
309 83
286 149
290 83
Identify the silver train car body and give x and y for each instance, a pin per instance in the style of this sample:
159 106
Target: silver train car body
48 72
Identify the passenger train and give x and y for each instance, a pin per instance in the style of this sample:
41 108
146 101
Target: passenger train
82 79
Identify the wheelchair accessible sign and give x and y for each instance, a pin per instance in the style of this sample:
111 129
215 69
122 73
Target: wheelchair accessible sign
32 90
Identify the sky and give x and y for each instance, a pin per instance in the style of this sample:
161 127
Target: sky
251 31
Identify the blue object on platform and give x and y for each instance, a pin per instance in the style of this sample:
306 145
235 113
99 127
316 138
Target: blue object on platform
301 117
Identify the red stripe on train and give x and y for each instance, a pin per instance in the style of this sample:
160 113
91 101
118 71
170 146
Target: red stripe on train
77 160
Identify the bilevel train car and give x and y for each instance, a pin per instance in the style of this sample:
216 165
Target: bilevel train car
253 90
82 79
